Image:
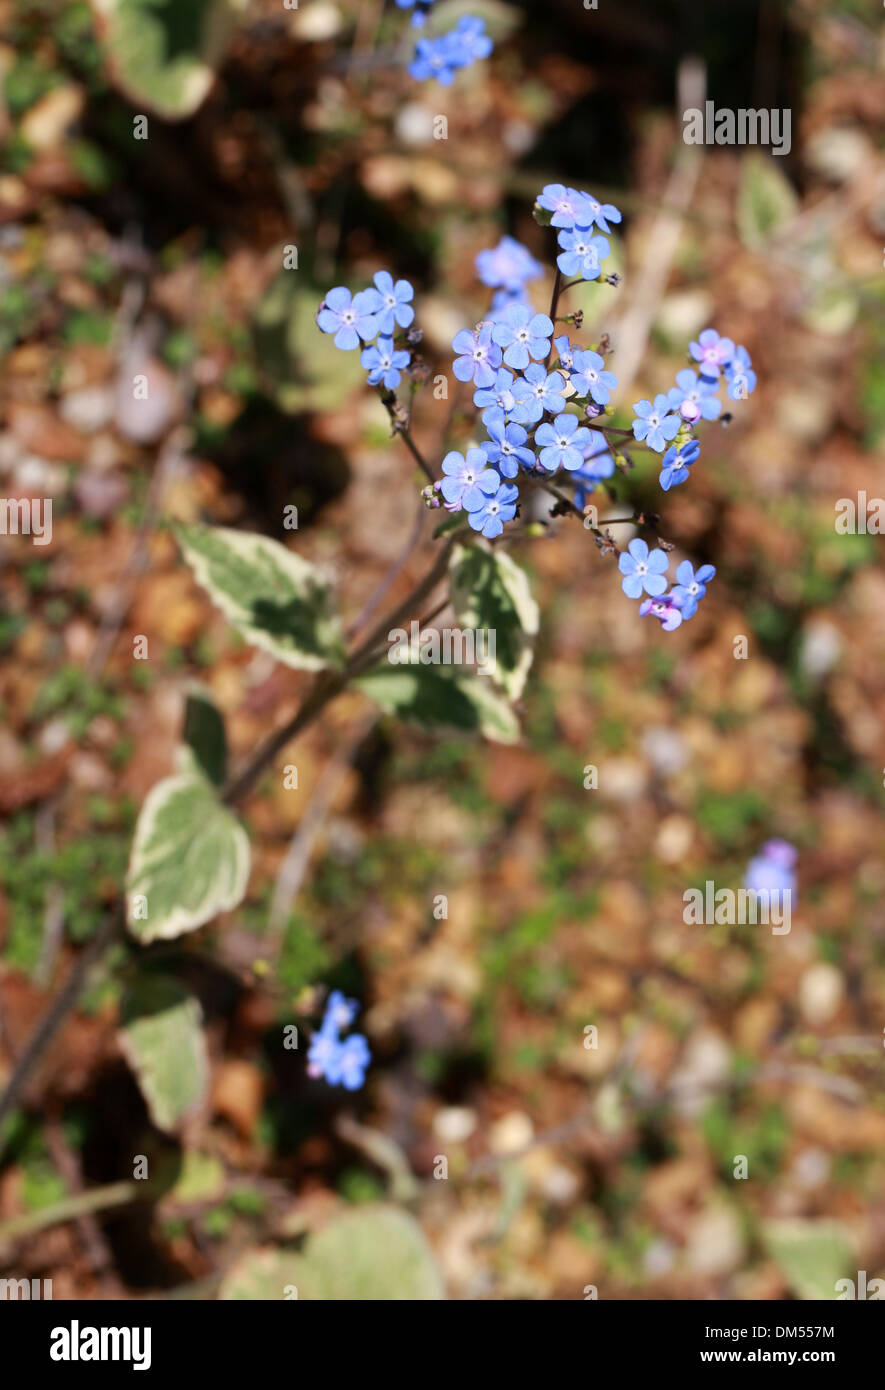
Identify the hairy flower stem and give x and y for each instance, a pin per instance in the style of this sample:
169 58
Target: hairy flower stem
327 686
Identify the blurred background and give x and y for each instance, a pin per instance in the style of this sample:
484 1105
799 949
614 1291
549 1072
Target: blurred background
568 1166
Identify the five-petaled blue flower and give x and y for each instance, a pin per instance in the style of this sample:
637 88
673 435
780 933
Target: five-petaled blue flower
582 253
443 56
562 443
654 425
506 446
590 378
480 356
347 1065
694 397
395 306
468 481
384 362
712 352
349 319
643 571
676 463
500 507
569 207
691 586
507 266
601 213
536 391
523 335
499 396
740 375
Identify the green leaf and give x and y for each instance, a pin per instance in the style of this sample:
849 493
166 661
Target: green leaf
373 1253
163 1041
204 735
491 592
438 698
273 597
189 861
811 1255
163 54
767 201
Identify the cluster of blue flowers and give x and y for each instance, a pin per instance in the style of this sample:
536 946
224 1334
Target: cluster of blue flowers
669 419
443 56
644 572
342 1062
372 316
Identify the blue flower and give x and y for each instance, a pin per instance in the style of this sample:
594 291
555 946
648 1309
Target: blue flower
691 587
712 352
422 9
590 378
740 375
773 869
384 362
601 213
582 253
667 609
565 352
535 392
508 266
347 1065
597 465
468 481
342 1063
349 319
523 334
506 446
500 507
694 397
469 40
498 396
653 424
569 207
643 572
676 462
395 306
563 443
443 56
480 355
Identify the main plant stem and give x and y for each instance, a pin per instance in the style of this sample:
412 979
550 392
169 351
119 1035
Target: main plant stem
327 686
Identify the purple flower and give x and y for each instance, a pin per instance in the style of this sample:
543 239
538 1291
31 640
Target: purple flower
523 334
643 572
653 424
694 397
349 319
690 587
395 306
468 481
562 443
498 396
667 609
590 378
602 213
569 207
712 352
506 446
581 253
773 869
676 462
384 362
508 266
535 392
740 375
480 355
489 519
